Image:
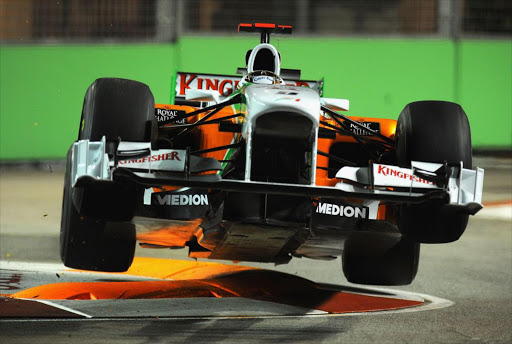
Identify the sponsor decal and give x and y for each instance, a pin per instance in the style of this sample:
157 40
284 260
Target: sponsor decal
224 84
375 126
182 199
164 116
342 210
389 171
153 158
264 79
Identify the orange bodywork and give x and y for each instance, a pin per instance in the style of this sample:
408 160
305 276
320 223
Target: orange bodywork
212 137
387 128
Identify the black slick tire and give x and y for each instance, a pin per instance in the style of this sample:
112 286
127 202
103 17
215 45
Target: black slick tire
90 244
433 131
117 109
368 259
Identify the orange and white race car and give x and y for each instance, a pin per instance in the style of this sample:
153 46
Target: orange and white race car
261 167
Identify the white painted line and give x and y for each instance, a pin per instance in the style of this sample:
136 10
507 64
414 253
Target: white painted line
64 308
29 266
431 303
496 212
46 273
185 307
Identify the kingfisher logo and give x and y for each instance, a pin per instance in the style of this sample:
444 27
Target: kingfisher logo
153 158
342 210
389 171
224 84
182 199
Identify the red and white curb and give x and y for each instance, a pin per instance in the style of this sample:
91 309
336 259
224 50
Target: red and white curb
63 293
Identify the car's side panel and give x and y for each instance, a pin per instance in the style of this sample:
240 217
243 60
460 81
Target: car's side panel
387 127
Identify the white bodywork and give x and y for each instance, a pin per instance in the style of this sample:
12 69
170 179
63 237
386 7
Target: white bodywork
263 99
89 159
336 104
465 187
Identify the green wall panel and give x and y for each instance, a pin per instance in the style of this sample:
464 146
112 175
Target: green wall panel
485 90
42 87
379 76
42 90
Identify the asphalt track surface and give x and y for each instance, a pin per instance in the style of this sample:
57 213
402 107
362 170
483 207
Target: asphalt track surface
473 276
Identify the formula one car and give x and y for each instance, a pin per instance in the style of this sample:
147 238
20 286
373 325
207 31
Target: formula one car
261 167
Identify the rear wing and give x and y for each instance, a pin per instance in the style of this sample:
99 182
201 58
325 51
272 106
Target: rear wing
265 29
224 85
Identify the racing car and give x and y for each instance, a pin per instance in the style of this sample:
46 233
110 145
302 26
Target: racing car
260 167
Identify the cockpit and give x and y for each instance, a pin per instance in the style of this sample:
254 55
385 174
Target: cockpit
263 63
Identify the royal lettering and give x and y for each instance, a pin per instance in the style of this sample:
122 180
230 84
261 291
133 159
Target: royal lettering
166 115
375 126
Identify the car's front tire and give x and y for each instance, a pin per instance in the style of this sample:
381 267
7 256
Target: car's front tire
115 109
91 244
433 131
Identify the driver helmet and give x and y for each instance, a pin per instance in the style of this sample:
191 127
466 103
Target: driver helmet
263 65
264 57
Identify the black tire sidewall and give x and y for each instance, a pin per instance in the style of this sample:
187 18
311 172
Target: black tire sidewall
118 108
432 131
364 263
77 234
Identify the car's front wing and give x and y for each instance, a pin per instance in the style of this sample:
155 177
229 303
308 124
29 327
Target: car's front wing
456 187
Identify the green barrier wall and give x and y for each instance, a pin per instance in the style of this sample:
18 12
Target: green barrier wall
42 87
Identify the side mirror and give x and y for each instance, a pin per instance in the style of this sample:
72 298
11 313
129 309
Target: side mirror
202 95
335 104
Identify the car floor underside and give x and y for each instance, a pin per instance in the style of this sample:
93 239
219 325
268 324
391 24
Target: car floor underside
257 227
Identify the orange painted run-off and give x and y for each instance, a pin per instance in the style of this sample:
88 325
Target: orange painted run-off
122 290
180 269
218 280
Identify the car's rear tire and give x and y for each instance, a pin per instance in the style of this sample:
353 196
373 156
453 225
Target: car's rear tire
432 131
368 259
117 109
